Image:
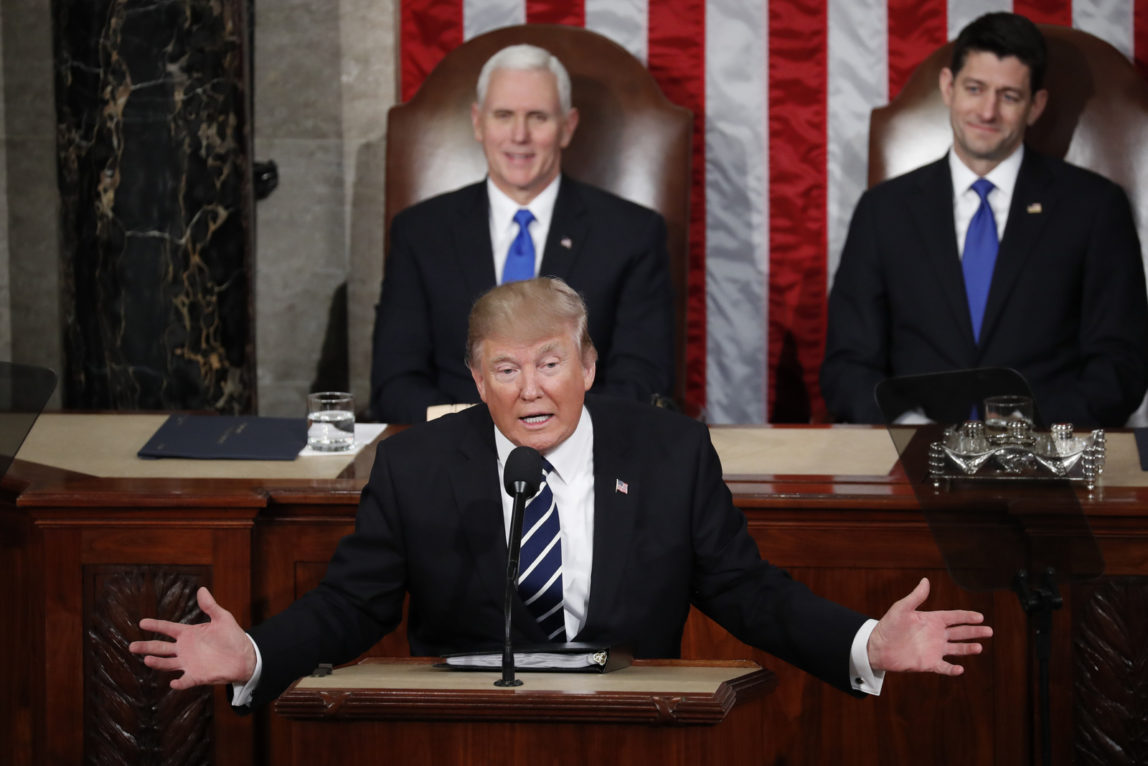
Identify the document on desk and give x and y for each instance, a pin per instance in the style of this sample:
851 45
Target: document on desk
227 437
572 657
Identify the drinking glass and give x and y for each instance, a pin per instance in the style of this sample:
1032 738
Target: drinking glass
330 421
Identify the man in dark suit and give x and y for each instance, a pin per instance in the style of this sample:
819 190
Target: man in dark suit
448 250
644 528
1064 302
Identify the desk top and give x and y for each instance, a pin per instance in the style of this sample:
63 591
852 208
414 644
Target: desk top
678 678
105 445
678 692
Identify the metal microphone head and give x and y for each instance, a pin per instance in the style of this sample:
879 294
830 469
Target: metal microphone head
523 471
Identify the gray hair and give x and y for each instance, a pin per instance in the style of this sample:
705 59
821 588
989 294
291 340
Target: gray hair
526 58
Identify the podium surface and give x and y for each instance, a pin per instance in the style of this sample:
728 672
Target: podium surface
668 711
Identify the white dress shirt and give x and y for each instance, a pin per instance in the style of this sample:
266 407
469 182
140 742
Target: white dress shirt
966 201
572 483
503 228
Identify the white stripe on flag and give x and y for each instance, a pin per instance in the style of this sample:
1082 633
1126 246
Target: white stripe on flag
737 211
623 21
1110 20
858 69
479 16
961 12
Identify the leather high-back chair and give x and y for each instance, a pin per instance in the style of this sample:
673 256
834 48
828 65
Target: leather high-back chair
630 139
1097 115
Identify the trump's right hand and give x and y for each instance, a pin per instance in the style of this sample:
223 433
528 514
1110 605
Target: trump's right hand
213 652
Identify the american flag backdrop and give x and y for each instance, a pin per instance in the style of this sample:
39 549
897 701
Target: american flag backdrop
781 93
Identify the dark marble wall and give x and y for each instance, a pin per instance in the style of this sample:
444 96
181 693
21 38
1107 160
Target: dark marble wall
156 204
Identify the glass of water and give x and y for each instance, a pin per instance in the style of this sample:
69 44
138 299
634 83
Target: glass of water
999 410
330 421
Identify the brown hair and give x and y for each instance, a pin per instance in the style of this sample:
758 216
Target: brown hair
531 308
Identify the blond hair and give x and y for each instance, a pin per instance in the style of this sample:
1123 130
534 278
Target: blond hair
529 309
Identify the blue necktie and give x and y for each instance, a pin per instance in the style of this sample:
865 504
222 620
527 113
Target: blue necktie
520 258
980 255
540 572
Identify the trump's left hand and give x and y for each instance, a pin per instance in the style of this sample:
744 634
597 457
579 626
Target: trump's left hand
906 639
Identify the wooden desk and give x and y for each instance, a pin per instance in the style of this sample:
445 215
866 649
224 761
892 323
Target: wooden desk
93 554
655 711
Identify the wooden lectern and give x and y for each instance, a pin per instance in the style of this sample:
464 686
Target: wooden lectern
663 711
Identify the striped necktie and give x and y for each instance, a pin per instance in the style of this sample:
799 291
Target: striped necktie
540 573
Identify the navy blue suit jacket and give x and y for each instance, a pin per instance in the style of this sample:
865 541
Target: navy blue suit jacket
1066 308
610 250
430 524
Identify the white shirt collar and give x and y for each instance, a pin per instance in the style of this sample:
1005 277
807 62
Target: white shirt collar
568 458
503 208
1003 176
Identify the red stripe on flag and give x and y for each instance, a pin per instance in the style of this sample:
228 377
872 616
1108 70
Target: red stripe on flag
1045 11
1140 36
798 72
677 58
916 29
569 12
429 29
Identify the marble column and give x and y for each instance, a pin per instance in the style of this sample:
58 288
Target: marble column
154 153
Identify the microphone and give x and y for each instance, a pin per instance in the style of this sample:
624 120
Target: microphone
521 478
523 472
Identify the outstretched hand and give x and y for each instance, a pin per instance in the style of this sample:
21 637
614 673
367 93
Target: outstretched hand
213 652
906 639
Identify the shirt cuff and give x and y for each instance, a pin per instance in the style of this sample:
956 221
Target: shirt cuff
241 694
862 677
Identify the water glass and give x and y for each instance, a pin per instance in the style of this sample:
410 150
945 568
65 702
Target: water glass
999 410
330 421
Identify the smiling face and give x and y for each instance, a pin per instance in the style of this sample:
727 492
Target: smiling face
534 388
523 131
991 103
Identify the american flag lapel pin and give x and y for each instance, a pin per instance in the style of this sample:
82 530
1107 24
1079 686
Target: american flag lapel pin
1035 208
566 243
621 486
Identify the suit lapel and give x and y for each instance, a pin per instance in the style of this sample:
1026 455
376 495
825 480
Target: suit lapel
615 515
478 500
472 247
932 212
1034 192
568 231
474 486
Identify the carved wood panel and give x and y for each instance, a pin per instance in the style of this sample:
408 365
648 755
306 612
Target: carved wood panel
131 715
1110 676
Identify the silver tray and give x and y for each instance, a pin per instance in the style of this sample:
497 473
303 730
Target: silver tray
1015 451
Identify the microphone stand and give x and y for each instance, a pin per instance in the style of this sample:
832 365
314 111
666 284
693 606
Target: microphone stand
514 546
1038 602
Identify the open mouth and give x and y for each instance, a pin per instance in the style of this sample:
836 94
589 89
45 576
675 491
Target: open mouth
536 420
